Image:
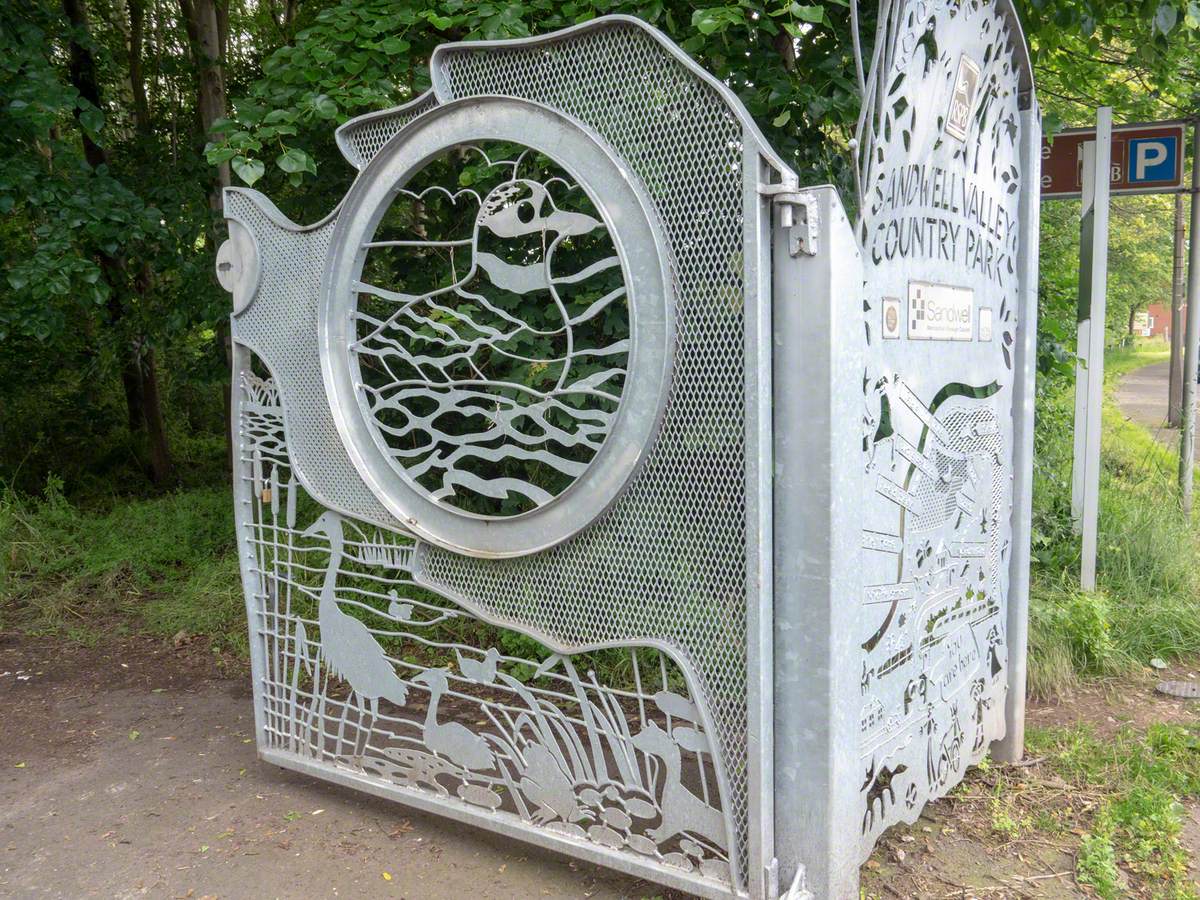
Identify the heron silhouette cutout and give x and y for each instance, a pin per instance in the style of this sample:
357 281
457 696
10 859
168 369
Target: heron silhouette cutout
508 369
350 650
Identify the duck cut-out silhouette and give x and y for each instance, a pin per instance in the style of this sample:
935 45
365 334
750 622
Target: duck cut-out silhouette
450 739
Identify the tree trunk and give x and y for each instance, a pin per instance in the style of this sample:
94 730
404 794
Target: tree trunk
137 78
82 69
131 381
160 453
208 28
146 369
208 53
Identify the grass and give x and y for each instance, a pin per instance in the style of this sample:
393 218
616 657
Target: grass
1127 788
168 564
162 565
1112 800
1148 595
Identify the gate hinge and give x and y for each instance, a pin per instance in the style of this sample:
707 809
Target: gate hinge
798 212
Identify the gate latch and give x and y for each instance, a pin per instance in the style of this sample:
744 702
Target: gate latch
797 213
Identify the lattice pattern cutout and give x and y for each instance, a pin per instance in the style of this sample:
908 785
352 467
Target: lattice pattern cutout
367 672
939 204
361 138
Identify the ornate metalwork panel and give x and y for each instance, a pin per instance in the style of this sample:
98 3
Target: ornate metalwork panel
940 229
365 674
528 535
510 372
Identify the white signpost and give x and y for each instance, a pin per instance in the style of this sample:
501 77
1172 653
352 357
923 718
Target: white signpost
1134 159
1089 365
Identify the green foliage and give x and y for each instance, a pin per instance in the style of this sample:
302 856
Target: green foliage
96 261
1143 777
1149 556
357 56
166 564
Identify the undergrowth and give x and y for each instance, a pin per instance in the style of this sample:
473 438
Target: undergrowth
1126 789
164 565
1148 592
168 563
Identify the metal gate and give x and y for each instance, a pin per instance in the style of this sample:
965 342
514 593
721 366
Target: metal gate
547 496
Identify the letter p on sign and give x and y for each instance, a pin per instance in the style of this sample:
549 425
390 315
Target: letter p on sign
1152 159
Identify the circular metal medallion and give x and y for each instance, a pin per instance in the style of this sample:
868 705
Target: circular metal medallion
496 326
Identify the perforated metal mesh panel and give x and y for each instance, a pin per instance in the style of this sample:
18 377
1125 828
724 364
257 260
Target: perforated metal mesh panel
361 138
281 326
668 561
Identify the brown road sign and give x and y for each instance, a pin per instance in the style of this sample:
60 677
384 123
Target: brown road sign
1146 159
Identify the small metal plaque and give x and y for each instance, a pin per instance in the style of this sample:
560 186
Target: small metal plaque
966 83
892 313
985 324
940 312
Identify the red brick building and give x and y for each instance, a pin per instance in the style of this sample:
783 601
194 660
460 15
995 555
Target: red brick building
1154 322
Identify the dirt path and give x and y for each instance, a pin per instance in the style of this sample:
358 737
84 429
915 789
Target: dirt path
128 769
1142 397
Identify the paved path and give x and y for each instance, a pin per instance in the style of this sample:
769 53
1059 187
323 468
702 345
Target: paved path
127 773
1142 396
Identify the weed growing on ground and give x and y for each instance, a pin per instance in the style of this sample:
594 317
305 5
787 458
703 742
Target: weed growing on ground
166 564
1130 785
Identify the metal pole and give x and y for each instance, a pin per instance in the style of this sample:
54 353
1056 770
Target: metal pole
1093 290
1083 344
1012 746
1187 440
1175 390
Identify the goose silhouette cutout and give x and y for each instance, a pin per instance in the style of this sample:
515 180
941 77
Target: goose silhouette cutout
683 812
450 739
507 369
480 671
350 650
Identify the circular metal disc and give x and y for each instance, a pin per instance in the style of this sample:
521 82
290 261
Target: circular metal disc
644 258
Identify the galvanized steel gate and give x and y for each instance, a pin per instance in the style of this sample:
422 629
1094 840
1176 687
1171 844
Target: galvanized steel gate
576 502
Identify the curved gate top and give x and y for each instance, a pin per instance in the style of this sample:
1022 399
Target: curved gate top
599 485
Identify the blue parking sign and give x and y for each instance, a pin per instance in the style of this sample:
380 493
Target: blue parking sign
1153 159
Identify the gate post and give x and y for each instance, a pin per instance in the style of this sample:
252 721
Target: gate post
818 367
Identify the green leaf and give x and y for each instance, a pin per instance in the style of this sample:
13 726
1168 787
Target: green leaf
218 155
249 170
294 161
709 21
782 119
92 119
1166 18
325 106
814 13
